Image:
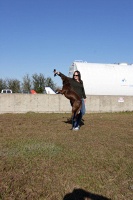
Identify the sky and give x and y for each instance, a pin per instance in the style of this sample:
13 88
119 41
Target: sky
37 36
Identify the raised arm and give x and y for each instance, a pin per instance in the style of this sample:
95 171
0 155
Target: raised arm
63 77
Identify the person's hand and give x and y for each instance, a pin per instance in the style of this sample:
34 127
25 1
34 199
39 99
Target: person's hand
85 100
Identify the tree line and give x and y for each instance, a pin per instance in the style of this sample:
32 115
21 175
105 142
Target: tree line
37 82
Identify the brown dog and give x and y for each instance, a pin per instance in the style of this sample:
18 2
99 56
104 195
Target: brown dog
70 94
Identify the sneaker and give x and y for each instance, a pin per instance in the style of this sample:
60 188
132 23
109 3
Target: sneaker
76 128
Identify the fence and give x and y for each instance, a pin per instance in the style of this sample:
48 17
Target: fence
48 103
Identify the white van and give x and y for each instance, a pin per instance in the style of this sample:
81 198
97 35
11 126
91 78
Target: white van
6 91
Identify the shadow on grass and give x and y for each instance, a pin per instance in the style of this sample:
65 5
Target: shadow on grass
69 121
80 194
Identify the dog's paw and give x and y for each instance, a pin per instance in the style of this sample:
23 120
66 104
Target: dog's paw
55 72
57 91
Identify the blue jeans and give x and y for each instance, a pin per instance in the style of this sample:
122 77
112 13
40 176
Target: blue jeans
80 115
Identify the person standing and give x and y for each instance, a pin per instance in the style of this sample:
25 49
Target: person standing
77 85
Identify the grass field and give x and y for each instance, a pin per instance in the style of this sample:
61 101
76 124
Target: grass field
42 159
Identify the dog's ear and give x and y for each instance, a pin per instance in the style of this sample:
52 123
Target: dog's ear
54 72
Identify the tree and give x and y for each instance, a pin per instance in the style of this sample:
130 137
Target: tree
49 83
3 84
38 82
27 83
14 85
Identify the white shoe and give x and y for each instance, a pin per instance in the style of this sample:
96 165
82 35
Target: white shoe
76 128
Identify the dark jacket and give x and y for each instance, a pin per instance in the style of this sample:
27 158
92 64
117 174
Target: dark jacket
76 86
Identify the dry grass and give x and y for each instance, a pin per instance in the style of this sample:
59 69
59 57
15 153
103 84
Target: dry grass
42 159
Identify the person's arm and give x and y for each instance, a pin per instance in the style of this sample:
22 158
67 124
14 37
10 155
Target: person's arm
84 95
62 75
59 74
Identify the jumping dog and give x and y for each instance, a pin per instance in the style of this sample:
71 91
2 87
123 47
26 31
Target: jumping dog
70 94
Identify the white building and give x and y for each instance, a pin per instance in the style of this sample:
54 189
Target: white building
105 79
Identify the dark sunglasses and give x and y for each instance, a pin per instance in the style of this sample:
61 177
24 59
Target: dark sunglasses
76 75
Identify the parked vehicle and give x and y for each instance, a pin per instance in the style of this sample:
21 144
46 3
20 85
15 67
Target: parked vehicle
6 91
49 90
33 92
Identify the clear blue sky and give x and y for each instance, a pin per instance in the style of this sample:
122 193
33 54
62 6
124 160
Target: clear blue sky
37 36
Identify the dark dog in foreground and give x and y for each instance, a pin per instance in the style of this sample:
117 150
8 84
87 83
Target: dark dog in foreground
70 94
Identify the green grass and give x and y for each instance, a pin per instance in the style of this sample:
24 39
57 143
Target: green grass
41 158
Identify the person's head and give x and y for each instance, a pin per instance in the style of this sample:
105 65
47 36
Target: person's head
77 76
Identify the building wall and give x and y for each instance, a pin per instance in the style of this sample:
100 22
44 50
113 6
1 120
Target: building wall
105 79
43 103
